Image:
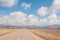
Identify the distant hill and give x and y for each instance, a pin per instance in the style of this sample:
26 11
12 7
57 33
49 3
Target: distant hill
54 26
50 26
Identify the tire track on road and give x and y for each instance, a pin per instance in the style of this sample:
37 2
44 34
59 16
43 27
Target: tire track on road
40 36
6 33
34 35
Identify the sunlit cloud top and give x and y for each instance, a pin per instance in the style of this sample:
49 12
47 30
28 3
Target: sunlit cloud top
30 12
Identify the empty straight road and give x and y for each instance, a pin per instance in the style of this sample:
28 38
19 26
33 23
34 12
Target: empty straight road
20 34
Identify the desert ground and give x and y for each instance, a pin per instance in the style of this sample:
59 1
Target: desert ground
29 34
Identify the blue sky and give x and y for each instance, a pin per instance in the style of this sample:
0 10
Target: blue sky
38 11
35 5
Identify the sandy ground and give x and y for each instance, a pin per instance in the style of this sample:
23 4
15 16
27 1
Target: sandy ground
48 34
4 31
29 34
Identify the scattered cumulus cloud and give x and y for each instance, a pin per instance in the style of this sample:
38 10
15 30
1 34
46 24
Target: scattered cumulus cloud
56 5
15 18
43 11
43 22
20 18
26 6
8 3
33 20
53 18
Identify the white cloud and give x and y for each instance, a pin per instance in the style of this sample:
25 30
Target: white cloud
26 6
15 18
33 20
53 19
8 3
43 11
53 8
56 5
21 19
43 22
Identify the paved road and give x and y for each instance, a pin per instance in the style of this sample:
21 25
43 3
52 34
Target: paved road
20 34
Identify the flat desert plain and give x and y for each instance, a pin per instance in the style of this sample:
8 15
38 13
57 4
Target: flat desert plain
29 34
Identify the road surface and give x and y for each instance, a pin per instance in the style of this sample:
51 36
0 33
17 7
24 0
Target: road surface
20 34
